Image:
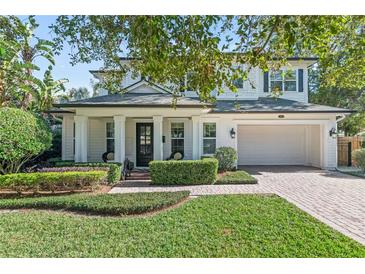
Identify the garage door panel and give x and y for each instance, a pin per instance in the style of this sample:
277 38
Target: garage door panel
271 145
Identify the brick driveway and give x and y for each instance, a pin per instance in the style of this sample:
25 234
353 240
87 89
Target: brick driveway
332 197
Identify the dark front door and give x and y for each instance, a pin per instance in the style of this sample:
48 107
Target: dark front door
144 143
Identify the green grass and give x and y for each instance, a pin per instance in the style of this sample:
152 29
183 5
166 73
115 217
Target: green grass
236 177
209 226
107 204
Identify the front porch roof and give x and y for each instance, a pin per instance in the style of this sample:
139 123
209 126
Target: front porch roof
136 100
273 105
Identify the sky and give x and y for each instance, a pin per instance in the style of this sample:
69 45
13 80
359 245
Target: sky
78 75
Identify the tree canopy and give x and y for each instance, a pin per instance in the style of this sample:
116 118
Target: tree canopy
23 136
19 49
167 48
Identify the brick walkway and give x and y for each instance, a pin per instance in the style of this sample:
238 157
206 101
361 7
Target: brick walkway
334 198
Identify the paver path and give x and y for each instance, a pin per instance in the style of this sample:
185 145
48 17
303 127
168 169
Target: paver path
332 197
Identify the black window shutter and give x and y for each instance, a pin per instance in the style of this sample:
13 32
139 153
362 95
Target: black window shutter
266 82
300 83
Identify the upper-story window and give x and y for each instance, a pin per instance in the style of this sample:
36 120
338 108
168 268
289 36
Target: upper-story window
283 80
238 83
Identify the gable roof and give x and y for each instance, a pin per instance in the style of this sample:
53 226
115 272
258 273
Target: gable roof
152 85
273 105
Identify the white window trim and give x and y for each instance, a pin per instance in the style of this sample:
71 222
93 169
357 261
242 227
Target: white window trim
171 138
283 81
208 138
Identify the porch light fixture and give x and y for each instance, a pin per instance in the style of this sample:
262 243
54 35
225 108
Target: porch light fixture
333 133
232 133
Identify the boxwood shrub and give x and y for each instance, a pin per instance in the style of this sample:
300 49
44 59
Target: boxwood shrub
52 181
114 172
186 172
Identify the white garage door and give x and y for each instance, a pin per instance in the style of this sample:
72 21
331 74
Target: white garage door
271 145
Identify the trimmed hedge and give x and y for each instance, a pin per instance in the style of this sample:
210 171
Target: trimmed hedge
227 157
52 181
102 204
114 173
185 172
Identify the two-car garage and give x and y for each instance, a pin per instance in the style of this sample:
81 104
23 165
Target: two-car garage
279 145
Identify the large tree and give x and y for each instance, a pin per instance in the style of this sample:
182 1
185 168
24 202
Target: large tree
167 48
19 50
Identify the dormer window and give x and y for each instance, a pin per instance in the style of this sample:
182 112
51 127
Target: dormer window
283 80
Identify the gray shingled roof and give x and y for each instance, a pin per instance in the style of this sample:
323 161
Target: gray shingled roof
262 105
134 100
272 105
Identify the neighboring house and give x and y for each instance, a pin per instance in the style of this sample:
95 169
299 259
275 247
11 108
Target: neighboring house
142 126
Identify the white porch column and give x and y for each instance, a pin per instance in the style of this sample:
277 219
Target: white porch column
81 126
119 138
157 138
196 139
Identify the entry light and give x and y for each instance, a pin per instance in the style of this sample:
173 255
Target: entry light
232 133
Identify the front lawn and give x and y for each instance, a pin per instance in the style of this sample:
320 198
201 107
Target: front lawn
208 226
236 177
102 204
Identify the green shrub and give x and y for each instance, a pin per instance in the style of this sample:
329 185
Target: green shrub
359 158
227 157
114 173
22 136
52 181
236 177
105 204
185 172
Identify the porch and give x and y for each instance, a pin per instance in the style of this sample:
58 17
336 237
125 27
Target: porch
140 139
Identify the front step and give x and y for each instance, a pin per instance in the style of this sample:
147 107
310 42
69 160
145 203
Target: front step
139 175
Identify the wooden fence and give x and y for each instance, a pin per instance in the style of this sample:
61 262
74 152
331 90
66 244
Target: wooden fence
345 146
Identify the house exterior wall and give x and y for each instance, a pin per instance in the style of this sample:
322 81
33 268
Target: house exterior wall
67 137
321 149
252 89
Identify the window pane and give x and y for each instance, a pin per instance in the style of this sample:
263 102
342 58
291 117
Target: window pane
208 146
290 85
177 130
209 130
290 75
276 75
238 83
110 145
110 130
177 145
276 85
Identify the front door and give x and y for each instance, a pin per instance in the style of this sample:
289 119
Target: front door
144 143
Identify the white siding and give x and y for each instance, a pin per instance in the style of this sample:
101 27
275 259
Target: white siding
97 139
314 146
257 77
67 135
330 147
130 139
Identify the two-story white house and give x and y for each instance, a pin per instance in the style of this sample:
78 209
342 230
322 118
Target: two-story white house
140 124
